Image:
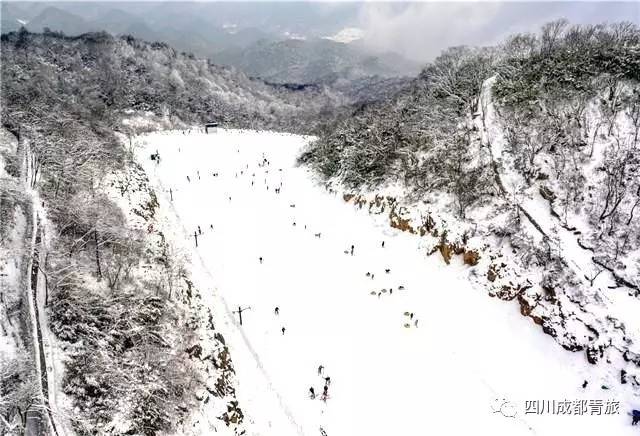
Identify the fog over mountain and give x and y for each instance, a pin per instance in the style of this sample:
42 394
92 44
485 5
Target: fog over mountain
417 31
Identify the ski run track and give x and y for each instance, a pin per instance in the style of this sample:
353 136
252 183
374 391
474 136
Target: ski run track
464 364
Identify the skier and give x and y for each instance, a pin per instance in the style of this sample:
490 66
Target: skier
635 417
327 381
188 179
260 259
199 230
211 225
325 393
382 244
312 393
320 369
283 330
277 310
352 249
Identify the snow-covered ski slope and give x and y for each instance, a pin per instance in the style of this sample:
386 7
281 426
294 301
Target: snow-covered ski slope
389 375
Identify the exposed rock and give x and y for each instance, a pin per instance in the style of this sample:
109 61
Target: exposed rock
547 193
400 223
194 351
492 274
594 354
471 257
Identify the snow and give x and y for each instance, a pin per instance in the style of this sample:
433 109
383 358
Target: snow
346 35
388 376
598 300
11 285
295 36
61 405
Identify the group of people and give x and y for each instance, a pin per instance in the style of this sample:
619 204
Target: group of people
325 390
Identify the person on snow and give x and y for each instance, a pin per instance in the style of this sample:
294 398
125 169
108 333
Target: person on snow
260 259
312 393
199 230
277 310
325 393
635 417
327 382
283 330
320 369
352 249
188 179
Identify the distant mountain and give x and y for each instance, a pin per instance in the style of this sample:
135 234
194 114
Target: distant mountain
116 21
256 38
10 14
313 61
58 20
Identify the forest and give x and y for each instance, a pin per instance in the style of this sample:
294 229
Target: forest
479 133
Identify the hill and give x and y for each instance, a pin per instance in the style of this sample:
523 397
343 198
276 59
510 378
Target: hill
526 156
313 61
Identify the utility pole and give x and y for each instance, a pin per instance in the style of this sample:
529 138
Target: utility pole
2 275
240 310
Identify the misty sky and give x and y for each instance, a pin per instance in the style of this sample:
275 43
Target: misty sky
421 30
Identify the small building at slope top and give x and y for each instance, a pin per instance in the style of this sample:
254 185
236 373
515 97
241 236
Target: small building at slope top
211 125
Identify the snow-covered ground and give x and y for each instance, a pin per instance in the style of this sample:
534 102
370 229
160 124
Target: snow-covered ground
444 371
